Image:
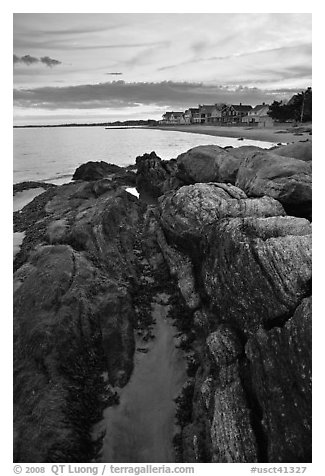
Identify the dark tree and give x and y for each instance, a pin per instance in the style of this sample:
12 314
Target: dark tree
299 108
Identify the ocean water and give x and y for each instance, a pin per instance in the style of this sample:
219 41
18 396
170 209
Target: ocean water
53 154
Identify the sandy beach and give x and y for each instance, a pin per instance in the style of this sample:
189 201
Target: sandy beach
273 134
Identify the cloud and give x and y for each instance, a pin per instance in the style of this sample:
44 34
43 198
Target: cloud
305 48
49 61
29 60
113 74
120 94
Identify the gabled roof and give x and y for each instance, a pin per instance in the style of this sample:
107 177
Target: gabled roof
207 107
169 113
259 110
241 108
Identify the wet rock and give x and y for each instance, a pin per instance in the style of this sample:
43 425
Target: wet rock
257 270
280 363
95 171
21 186
207 163
73 316
60 298
286 179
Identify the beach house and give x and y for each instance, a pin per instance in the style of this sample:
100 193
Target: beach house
258 116
216 114
171 117
192 115
205 112
234 113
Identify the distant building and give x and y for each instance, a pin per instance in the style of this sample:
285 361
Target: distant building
205 112
234 113
258 116
192 115
216 114
182 120
171 117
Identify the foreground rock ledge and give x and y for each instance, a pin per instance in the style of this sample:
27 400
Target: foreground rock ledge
241 270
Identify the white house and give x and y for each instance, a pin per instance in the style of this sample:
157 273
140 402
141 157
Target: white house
258 116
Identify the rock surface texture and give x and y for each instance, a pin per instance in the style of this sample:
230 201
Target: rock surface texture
286 179
228 233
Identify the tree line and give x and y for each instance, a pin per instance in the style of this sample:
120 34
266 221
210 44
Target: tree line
299 108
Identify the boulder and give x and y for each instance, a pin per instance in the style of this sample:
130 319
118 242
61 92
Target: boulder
297 150
207 163
155 176
186 212
281 367
95 171
257 270
286 179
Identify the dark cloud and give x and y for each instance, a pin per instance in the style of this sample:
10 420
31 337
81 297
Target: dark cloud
49 61
119 94
29 60
113 74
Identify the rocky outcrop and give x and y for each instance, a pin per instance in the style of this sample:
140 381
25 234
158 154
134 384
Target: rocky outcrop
186 212
297 150
155 176
240 271
60 314
250 267
207 163
95 170
73 313
264 262
20 187
283 178
280 366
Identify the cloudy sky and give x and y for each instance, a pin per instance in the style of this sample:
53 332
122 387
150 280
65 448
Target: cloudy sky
104 67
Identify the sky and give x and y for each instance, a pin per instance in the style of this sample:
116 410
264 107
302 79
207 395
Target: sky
87 67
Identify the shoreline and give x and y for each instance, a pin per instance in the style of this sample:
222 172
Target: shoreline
268 134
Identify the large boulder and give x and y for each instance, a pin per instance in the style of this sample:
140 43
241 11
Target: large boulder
186 212
286 179
207 163
95 171
298 150
257 270
281 366
155 176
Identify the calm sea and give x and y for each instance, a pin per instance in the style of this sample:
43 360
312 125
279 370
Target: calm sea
53 154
